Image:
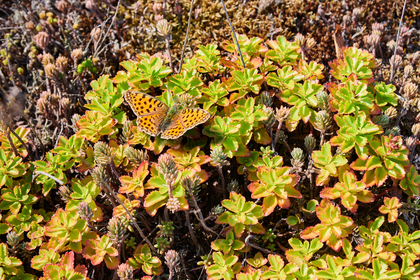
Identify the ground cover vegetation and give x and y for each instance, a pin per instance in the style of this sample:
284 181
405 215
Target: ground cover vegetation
288 153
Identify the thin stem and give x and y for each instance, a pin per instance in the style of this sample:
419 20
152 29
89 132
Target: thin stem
193 237
186 37
37 173
34 132
168 50
20 140
247 242
222 178
277 133
396 45
11 142
234 34
131 218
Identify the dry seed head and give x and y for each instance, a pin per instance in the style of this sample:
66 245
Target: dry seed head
310 43
157 8
42 39
85 211
62 63
187 100
282 114
410 90
96 34
191 183
125 272
167 166
172 259
12 239
408 70
51 71
126 134
99 176
218 158
102 153
47 59
136 156
65 193
323 100
76 54
266 99
310 142
65 102
173 204
269 122
299 39
74 119
298 156
410 142
322 121
117 227
397 62
415 129
391 112
378 27
163 27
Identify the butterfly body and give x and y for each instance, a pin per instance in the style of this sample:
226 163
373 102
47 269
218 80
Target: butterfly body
156 118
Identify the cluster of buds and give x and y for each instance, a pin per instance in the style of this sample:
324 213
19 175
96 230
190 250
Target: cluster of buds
322 121
158 11
62 63
282 114
117 227
310 143
99 176
136 156
42 39
102 153
163 28
173 204
51 71
167 166
323 100
298 158
125 272
85 211
172 260
269 122
218 158
65 193
266 99
76 54
395 61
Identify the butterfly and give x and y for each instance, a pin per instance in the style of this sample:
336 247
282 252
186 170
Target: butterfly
155 117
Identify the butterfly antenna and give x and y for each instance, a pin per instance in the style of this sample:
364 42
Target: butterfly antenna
396 45
186 37
234 34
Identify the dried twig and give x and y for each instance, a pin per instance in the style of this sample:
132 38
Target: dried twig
186 37
396 45
234 35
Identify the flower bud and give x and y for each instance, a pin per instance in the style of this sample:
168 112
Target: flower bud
62 64
168 168
136 156
102 153
218 158
51 71
163 27
85 211
173 204
76 54
117 227
172 259
282 114
125 272
310 142
42 39
415 129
